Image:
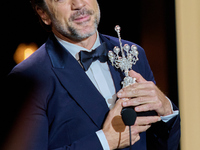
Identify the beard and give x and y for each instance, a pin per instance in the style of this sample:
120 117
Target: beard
71 31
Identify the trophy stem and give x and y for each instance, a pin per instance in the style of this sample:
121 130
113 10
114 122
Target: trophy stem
124 62
128 81
126 73
117 29
123 55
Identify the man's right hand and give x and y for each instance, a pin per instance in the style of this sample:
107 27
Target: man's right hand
117 134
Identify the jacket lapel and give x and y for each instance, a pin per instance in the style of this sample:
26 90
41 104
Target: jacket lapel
76 82
116 74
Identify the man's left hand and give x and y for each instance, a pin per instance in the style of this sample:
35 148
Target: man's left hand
145 96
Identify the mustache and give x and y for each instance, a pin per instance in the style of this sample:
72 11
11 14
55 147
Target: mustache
81 12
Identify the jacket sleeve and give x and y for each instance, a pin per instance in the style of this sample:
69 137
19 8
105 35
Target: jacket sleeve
27 121
162 136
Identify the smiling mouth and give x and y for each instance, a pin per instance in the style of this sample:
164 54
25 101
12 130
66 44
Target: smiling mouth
81 16
82 19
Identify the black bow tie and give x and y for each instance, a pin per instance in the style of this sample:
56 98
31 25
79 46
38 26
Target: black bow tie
100 53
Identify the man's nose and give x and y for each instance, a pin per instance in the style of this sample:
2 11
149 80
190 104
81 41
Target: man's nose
77 4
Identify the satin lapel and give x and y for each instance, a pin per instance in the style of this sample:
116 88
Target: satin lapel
117 75
76 82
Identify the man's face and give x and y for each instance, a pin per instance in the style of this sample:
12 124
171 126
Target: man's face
74 19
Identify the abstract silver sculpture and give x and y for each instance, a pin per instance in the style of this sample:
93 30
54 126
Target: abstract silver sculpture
129 57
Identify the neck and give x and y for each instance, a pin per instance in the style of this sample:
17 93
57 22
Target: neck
86 43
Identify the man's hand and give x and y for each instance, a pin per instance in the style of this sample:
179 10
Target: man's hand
117 134
145 96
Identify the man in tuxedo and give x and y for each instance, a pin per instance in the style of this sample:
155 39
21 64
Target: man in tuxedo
67 103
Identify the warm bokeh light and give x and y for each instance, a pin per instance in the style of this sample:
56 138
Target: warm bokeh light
24 51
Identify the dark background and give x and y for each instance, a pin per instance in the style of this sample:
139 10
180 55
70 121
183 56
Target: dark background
148 23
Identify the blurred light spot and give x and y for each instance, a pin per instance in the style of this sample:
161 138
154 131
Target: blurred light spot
23 51
28 52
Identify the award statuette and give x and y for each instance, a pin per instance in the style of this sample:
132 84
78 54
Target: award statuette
128 58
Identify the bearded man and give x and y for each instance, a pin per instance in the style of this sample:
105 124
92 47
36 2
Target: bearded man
69 105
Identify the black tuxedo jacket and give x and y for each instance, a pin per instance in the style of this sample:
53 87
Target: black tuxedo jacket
60 108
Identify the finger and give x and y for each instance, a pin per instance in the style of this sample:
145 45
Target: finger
140 121
139 129
136 75
148 106
138 101
118 104
116 110
136 139
137 89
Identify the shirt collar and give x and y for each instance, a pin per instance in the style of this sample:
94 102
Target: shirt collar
75 49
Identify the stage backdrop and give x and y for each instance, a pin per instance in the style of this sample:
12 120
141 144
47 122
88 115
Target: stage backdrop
188 44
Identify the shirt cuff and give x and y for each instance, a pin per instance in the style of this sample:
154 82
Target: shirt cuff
169 117
103 140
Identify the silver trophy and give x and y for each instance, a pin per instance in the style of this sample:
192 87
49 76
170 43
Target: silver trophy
128 58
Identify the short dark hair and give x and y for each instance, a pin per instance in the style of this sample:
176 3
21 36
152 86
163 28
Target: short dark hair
41 4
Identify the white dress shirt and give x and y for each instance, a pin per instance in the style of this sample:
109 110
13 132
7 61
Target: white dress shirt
100 76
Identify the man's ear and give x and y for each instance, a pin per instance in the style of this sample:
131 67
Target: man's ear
43 15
